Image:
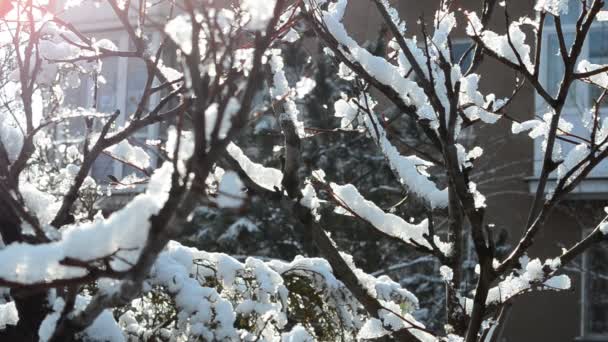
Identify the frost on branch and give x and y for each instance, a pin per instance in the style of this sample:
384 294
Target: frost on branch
8 314
532 276
123 234
600 79
555 7
474 104
378 67
410 170
230 191
516 51
355 204
104 328
540 128
260 12
130 154
281 91
266 177
180 31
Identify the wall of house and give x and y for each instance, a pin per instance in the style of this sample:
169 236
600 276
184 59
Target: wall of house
99 16
507 162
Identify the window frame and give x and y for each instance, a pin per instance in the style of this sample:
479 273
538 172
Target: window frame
597 182
123 41
596 186
585 334
463 41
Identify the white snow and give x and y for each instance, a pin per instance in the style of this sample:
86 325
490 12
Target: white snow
342 109
604 227
555 7
297 334
411 170
266 177
210 313
304 86
42 204
560 282
378 67
180 31
447 274
476 106
291 36
310 200
540 128
211 117
126 230
281 91
240 225
531 274
389 224
104 328
478 198
131 154
230 193
372 329
600 79
500 43
186 143
8 314
574 157
260 12
48 325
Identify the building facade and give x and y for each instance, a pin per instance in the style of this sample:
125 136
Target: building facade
511 162
512 165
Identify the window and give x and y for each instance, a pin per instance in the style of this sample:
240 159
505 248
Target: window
459 48
116 92
595 50
594 294
581 96
595 300
598 54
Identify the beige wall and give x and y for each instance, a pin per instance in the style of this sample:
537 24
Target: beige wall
551 317
546 317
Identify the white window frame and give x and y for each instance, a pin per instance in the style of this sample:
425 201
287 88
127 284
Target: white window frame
596 185
152 131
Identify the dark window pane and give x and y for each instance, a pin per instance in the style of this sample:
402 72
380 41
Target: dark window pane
458 50
103 167
106 95
598 54
555 68
597 290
